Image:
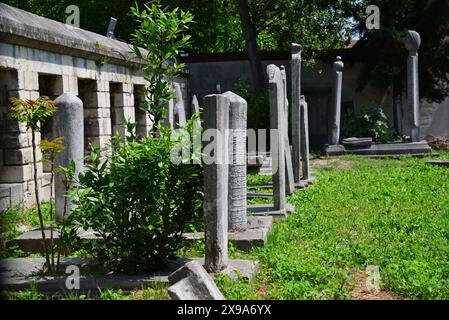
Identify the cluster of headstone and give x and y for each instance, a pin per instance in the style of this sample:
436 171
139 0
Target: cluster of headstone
225 190
290 165
412 43
224 176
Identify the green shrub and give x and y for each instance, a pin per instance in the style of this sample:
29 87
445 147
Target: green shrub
138 202
372 122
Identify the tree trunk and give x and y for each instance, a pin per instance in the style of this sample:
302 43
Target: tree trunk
39 210
249 31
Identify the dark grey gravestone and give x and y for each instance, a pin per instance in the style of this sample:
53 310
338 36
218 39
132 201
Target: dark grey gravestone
276 96
215 206
295 111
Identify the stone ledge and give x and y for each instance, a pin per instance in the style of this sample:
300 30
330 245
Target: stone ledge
255 235
18 274
439 163
20 27
259 210
382 149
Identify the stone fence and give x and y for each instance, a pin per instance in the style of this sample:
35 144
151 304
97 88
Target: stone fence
42 57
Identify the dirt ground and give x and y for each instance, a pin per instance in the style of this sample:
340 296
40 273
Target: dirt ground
360 290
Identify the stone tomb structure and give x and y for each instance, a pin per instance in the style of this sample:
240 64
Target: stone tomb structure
360 146
40 57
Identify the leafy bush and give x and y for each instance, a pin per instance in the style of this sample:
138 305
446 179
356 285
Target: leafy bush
138 202
258 107
162 32
372 122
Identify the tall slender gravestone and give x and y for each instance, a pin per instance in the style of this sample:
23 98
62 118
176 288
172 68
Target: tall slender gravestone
290 181
304 138
412 43
215 205
276 94
195 109
195 106
180 105
68 123
237 219
295 115
336 101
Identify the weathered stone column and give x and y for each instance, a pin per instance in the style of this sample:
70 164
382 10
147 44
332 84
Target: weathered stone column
276 94
304 138
336 101
295 113
180 110
215 207
290 181
68 123
237 219
195 106
412 43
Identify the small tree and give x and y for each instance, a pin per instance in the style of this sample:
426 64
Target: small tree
49 150
161 33
33 113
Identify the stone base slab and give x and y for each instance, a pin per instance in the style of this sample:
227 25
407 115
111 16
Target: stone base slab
255 235
259 210
440 163
255 195
381 149
18 274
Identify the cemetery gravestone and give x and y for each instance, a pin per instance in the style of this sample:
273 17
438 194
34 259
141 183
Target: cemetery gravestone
412 43
295 116
276 96
237 219
68 123
290 186
216 121
336 101
304 139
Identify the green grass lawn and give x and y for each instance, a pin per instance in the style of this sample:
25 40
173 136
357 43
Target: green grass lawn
390 213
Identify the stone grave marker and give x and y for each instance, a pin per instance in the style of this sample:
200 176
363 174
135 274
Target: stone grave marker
216 121
68 123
